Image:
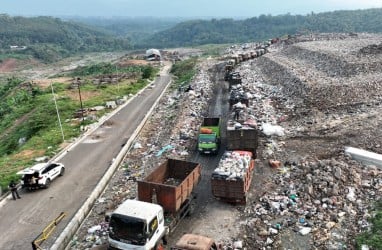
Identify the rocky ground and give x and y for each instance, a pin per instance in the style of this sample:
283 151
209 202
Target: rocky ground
311 97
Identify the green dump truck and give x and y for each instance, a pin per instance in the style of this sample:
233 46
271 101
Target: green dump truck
209 136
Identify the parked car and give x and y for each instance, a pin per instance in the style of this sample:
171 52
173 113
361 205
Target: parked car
41 175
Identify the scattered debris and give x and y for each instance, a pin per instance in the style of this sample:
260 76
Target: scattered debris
311 96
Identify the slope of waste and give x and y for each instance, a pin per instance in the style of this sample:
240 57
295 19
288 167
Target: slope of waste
324 97
310 97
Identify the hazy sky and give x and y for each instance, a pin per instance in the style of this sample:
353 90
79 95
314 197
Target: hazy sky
178 8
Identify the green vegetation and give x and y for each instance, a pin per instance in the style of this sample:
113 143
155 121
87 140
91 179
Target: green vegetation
14 55
108 68
29 125
184 71
135 29
50 39
373 238
215 31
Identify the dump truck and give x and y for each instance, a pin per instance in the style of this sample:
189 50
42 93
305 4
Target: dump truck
233 78
209 136
242 136
236 95
195 242
229 65
231 180
164 198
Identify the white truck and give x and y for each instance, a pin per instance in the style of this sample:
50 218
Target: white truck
137 225
164 198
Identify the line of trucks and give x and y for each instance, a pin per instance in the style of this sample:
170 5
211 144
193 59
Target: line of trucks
166 195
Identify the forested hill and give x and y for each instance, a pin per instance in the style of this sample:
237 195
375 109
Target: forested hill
200 32
48 37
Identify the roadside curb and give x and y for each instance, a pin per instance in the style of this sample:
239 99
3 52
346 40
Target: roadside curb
63 240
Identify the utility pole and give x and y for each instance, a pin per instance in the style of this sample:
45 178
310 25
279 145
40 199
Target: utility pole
79 93
116 69
58 114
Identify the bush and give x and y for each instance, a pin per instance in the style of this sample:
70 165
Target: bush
373 238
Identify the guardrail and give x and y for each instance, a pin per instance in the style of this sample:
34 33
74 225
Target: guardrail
44 235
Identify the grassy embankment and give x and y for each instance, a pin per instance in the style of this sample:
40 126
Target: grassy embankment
29 126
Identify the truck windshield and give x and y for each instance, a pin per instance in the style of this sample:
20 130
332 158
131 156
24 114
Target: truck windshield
127 229
207 138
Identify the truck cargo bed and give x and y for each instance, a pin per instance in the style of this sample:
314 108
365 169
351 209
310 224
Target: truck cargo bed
245 138
170 184
233 190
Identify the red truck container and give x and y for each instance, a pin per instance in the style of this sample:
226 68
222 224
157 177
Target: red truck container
170 184
230 182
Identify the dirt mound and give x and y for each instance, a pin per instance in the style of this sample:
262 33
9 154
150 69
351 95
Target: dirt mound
8 65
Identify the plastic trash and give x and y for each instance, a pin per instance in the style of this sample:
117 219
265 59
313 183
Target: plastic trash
164 149
351 194
273 231
269 129
305 230
274 163
93 229
238 244
137 145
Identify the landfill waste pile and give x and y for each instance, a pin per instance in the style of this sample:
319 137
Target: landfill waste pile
310 97
233 166
311 100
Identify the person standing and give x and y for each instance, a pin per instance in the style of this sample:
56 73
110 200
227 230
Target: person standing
13 187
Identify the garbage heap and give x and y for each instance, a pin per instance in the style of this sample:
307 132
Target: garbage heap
329 199
233 166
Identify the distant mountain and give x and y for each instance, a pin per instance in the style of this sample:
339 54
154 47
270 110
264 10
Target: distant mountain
50 38
124 26
199 32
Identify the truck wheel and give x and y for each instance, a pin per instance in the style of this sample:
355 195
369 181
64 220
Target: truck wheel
190 210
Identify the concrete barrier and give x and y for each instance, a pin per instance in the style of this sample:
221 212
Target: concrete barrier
365 157
63 240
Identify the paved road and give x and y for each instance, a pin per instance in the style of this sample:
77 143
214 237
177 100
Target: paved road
22 220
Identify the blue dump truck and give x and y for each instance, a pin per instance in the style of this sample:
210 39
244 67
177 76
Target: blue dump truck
209 136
